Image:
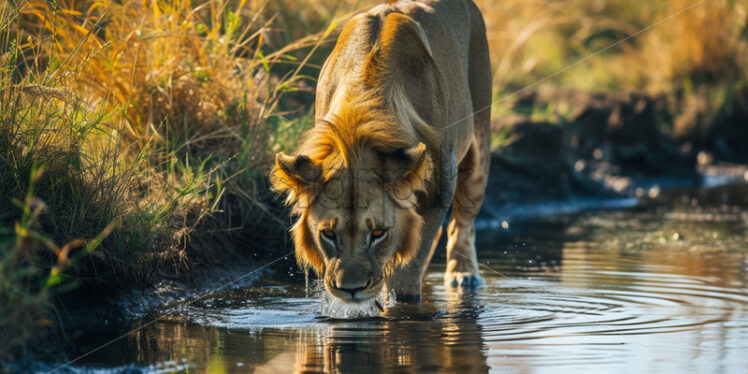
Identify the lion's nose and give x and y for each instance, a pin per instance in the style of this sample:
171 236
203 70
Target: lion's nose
351 287
352 291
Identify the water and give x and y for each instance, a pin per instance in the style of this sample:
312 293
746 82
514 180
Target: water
657 288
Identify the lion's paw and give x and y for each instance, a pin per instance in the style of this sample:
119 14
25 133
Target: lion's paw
463 280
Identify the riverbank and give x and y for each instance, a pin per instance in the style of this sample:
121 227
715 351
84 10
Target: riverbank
560 144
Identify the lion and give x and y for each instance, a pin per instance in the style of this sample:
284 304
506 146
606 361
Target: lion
402 132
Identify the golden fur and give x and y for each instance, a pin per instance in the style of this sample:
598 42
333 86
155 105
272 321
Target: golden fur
390 130
361 130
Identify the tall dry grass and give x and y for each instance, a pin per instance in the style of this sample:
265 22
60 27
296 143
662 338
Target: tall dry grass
693 52
687 39
158 117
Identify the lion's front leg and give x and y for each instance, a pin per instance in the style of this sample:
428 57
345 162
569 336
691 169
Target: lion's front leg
462 259
406 280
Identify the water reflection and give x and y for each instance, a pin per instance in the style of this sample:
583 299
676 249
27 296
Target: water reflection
412 346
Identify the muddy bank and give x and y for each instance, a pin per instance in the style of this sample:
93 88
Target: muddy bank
567 144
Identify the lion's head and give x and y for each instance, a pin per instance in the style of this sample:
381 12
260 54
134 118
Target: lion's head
354 184
359 175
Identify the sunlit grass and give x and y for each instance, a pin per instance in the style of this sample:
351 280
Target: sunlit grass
695 52
688 39
154 122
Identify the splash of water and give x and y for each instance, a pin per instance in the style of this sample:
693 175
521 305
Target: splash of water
331 306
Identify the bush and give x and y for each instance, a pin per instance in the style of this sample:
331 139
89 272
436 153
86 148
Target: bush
154 123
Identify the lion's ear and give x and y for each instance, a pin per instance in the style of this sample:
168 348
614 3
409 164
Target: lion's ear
405 168
294 175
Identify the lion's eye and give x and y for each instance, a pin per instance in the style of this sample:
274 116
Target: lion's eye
330 234
378 233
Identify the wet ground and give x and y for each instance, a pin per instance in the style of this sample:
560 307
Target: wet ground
660 287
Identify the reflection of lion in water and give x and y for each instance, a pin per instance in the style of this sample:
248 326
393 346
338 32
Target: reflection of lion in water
453 343
403 107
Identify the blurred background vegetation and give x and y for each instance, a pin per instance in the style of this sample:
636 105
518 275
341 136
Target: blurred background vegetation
136 135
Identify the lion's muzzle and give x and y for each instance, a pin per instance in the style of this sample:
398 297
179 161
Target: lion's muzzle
352 281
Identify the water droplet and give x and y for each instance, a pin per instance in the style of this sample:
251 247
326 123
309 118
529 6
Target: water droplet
703 158
306 280
654 192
